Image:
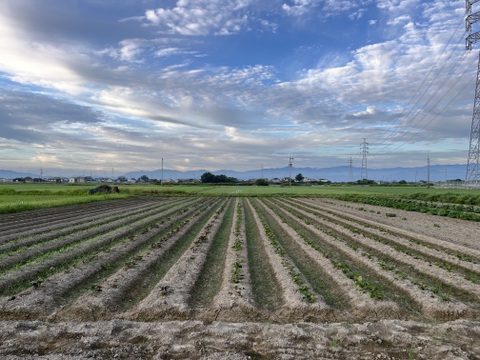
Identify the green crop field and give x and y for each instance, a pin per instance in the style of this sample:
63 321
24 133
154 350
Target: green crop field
21 197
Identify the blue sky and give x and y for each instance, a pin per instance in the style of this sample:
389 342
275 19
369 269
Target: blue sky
92 85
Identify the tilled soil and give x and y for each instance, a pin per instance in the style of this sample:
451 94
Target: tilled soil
119 339
289 286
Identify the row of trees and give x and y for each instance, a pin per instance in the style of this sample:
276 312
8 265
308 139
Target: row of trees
209 178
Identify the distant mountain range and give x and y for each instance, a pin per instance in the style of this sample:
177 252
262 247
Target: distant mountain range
334 174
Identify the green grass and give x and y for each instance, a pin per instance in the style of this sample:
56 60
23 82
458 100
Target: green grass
21 197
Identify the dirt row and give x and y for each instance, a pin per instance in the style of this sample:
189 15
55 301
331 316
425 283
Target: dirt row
236 259
239 278
52 219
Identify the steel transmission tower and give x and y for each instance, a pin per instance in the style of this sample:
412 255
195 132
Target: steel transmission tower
472 177
364 151
290 164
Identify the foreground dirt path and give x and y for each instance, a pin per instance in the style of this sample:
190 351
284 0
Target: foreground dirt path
119 339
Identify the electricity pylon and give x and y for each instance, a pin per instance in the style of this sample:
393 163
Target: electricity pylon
364 151
472 177
290 164
350 170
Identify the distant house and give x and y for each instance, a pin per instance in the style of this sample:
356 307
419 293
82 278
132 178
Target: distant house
28 179
78 179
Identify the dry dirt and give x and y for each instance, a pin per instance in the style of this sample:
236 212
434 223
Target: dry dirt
117 339
194 339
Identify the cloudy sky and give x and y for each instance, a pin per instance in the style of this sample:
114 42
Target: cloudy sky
93 85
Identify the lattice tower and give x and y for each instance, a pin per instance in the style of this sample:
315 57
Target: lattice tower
364 151
472 177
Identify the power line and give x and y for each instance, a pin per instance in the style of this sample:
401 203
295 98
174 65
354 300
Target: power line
411 116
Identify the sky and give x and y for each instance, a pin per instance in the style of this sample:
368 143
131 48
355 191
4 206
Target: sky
96 85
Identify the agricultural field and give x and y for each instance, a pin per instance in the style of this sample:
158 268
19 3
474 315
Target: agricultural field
238 277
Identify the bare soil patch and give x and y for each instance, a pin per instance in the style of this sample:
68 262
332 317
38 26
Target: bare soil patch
143 295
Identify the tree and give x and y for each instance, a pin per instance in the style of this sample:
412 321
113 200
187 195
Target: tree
299 178
144 178
261 182
207 177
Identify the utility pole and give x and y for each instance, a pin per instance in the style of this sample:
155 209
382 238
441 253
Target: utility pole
428 172
290 159
350 170
364 151
161 179
472 176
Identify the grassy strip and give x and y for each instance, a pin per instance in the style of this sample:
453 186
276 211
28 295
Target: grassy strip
210 279
265 287
26 202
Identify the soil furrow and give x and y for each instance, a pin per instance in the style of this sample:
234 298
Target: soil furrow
452 281
441 242
59 243
57 289
35 219
293 301
133 279
81 224
328 281
169 299
210 277
84 250
266 289
429 305
234 301
92 216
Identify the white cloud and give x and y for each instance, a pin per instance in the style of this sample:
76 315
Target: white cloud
300 7
370 110
155 95
38 63
201 17
395 6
